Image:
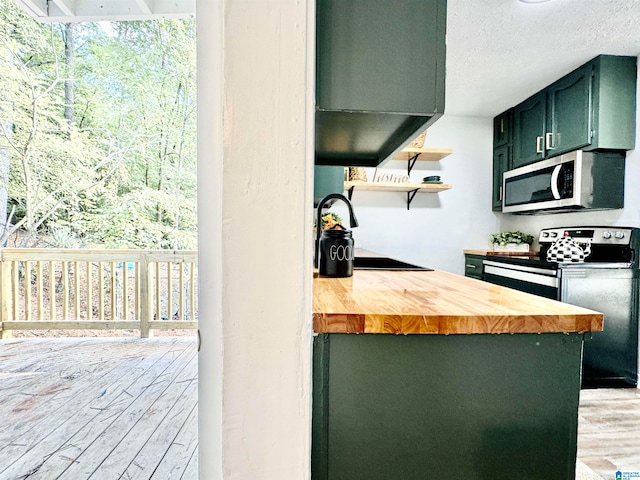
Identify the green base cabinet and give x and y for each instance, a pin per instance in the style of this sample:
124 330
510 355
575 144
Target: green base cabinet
417 407
591 108
473 266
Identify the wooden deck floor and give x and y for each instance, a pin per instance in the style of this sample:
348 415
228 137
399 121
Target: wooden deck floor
99 408
126 408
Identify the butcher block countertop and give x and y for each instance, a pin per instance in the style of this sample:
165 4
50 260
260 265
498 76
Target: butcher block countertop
437 302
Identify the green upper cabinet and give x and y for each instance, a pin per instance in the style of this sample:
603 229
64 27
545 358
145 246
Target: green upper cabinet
591 108
569 106
502 141
502 129
529 130
380 76
614 103
501 163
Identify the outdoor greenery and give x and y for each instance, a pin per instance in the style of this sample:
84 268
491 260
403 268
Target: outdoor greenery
97 133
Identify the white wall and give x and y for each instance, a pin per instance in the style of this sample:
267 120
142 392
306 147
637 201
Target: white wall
255 171
438 227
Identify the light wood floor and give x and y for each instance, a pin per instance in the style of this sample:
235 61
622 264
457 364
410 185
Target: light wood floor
609 430
126 408
99 408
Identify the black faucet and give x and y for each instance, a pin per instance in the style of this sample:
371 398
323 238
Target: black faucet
353 221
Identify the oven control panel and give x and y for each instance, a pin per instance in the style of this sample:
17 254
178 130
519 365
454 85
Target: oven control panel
594 235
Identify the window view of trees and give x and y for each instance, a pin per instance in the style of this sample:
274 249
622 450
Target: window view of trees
97 133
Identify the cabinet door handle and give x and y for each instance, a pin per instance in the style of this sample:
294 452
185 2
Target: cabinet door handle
502 125
468 265
550 141
500 194
539 145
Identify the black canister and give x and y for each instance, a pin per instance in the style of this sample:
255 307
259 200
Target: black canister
335 248
335 253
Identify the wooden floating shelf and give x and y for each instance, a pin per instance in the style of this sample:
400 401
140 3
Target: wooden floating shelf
397 187
423 154
411 189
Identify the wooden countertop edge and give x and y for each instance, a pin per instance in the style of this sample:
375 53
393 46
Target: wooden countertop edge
438 303
508 253
452 324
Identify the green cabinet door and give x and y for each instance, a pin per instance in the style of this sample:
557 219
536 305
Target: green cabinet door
502 128
501 163
529 130
569 106
473 266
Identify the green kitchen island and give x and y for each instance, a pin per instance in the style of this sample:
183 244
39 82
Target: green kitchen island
431 375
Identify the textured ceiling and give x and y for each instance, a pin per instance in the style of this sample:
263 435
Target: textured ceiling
499 52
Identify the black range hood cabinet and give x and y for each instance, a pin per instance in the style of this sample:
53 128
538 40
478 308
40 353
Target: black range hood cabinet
380 77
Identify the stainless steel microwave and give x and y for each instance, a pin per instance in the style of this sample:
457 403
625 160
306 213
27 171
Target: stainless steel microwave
577 180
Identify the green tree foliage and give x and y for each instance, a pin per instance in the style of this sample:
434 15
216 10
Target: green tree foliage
124 175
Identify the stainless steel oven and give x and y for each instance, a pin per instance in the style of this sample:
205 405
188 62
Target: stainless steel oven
607 281
537 280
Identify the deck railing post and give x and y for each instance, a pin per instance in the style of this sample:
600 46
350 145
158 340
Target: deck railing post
146 300
5 296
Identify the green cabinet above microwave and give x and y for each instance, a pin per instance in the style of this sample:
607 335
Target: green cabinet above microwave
380 77
591 108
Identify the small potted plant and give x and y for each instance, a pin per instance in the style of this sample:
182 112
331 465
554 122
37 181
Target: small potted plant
330 220
511 241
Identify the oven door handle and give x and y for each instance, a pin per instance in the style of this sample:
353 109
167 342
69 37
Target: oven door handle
522 268
538 279
554 182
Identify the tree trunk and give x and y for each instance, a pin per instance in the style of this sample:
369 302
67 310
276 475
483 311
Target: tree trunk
69 87
4 182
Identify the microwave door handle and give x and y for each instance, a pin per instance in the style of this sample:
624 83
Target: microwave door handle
554 182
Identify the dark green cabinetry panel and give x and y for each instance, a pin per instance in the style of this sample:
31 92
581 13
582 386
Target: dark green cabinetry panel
529 130
502 128
502 156
501 163
614 103
327 180
416 407
591 108
473 266
380 76
569 107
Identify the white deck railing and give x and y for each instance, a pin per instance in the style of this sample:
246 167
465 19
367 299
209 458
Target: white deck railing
97 289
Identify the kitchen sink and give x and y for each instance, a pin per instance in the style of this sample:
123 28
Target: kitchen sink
384 263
